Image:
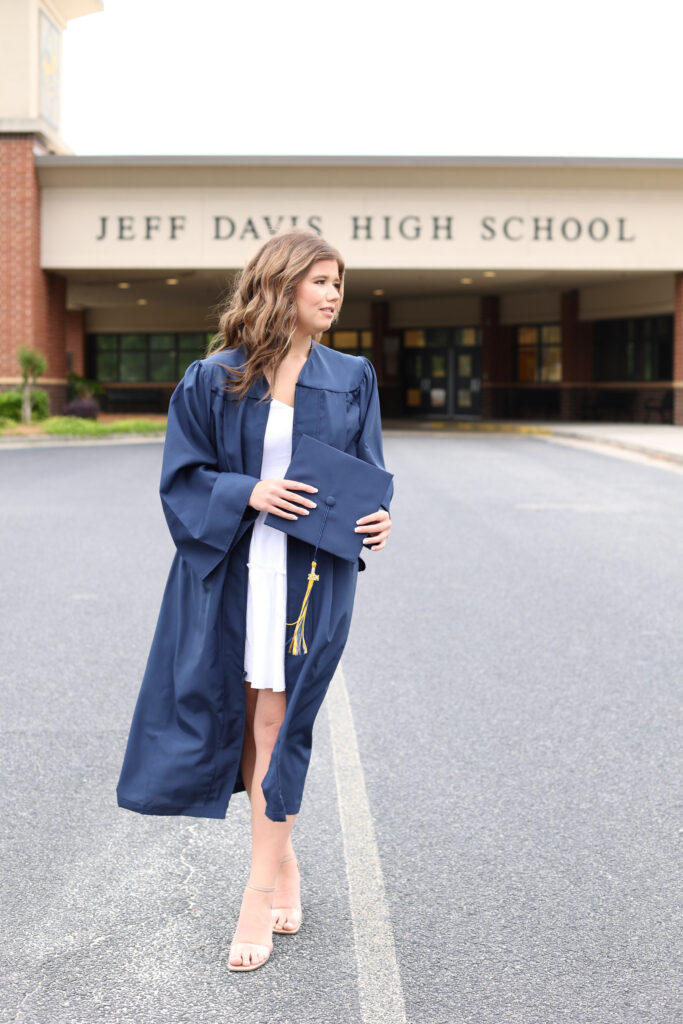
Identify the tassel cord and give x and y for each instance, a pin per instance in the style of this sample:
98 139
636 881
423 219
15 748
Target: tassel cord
298 640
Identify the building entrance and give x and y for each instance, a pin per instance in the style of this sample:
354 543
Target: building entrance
442 372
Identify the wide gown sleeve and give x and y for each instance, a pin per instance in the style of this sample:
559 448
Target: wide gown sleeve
203 505
369 445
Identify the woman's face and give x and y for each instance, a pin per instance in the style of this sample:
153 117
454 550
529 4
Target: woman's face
317 297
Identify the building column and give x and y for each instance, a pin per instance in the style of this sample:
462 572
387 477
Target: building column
32 301
379 324
577 356
677 376
489 318
75 342
570 399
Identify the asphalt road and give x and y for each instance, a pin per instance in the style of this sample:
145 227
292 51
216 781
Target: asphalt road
513 670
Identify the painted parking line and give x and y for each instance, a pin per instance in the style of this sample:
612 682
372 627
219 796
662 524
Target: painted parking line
379 982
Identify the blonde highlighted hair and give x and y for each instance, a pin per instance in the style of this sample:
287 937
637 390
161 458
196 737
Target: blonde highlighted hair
260 311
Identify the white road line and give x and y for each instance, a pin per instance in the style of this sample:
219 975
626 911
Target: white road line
379 982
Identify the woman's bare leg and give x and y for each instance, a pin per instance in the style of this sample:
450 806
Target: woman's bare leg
249 755
248 747
269 838
287 886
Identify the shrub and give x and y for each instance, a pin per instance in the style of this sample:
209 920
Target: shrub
86 408
10 404
82 387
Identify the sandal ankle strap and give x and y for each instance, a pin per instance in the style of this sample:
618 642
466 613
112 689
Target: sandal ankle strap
261 888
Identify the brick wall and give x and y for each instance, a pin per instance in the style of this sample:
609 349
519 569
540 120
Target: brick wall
32 301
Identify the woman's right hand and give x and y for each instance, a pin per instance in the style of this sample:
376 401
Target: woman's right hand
276 496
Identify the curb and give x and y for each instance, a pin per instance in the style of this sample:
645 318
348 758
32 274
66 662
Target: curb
59 440
641 449
441 428
455 427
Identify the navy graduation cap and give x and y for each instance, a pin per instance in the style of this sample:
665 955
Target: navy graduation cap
348 488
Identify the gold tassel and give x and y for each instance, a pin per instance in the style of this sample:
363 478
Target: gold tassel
298 640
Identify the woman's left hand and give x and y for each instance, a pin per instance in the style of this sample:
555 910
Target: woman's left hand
378 524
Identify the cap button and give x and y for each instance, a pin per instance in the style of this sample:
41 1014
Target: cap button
331 500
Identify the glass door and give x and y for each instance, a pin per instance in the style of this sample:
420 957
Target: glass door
467 390
426 381
442 372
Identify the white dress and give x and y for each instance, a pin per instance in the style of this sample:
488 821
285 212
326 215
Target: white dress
264 651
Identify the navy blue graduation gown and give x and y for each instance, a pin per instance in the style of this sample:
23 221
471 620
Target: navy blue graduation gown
185 740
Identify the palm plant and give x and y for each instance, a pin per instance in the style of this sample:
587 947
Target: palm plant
33 364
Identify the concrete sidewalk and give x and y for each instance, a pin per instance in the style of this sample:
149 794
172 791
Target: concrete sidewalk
659 440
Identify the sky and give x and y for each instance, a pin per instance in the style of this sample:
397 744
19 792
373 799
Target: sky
484 78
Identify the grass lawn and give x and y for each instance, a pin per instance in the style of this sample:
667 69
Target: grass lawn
105 425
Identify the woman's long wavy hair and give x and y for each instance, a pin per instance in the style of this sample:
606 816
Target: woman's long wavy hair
260 313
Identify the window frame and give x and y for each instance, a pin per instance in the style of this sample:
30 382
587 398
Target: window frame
540 348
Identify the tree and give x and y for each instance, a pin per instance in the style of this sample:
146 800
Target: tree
33 364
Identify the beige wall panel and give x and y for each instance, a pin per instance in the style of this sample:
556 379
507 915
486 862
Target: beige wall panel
18 61
187 318
145 318
435 312
634 297
414 173
394 227
530 307
355 316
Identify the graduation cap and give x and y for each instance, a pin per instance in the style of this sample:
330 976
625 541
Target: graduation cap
348 488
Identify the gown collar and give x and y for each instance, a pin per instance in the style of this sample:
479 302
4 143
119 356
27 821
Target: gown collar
260 385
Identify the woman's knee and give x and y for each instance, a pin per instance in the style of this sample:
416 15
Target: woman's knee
268 717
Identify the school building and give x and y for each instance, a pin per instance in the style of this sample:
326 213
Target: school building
480 287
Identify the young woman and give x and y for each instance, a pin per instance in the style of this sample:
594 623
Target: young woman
224 705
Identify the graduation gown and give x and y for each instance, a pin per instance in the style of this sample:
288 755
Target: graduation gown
185 740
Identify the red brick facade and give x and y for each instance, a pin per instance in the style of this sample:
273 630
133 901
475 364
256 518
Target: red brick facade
32 301
577 356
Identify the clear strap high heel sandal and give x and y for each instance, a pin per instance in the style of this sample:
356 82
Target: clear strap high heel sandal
291 913
245 942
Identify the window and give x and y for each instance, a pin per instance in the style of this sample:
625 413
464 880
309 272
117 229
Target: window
355 343
539 352
634 349
442 337
162 357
